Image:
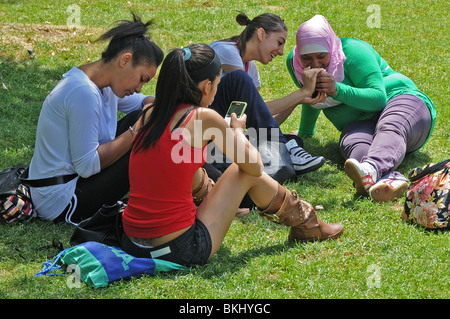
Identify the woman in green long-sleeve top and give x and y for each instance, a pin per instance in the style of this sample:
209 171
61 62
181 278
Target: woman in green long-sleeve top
381 113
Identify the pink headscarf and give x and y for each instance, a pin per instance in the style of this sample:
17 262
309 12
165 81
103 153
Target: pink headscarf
317 31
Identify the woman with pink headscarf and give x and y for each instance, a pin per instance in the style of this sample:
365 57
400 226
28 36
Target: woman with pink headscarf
381 113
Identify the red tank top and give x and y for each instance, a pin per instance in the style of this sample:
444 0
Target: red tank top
160 199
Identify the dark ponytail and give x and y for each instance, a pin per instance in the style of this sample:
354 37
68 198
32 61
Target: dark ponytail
130 36
268 21
177 85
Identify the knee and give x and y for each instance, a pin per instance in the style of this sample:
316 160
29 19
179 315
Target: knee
398 128
239 76
235 170
354 145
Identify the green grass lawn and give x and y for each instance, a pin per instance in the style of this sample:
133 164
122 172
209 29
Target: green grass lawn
378 257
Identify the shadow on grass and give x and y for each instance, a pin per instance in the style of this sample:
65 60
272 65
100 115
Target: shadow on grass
225 261
22 243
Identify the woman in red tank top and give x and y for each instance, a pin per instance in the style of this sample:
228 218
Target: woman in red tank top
174 211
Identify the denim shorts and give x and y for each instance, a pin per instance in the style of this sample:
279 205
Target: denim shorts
191 248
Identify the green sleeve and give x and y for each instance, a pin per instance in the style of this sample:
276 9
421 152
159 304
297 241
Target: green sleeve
363 87
309 114
308 121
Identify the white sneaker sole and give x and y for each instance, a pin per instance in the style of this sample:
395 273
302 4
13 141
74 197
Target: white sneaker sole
355 175
381 192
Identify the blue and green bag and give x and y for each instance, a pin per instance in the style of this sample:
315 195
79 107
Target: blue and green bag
98 265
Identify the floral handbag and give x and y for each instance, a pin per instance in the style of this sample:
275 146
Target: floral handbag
427 198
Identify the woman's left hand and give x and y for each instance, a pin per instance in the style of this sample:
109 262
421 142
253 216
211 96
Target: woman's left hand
326 83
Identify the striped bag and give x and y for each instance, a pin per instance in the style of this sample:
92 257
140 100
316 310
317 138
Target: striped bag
15 201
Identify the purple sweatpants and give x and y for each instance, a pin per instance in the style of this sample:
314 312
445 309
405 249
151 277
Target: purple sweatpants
402 127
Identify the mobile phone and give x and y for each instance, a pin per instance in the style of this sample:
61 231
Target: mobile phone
236 107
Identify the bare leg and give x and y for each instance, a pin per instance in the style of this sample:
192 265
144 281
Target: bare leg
219 208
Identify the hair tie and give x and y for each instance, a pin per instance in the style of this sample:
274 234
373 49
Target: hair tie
248 21
146 37
187 54
206 71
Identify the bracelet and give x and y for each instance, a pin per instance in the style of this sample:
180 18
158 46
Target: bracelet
131 129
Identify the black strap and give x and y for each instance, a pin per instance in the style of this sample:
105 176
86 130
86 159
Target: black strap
179 121
429 169
62 179
143 115
183 117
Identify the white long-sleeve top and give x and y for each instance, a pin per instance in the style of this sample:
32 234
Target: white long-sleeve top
76 118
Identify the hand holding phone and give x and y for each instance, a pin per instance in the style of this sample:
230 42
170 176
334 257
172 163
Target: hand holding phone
236 107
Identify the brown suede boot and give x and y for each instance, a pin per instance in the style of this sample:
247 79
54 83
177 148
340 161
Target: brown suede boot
287 209
313 228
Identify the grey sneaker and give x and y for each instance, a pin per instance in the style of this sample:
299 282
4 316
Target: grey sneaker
302 161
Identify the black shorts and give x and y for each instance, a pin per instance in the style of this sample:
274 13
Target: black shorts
191 248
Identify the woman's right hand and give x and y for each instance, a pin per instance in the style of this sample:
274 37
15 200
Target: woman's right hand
309 79
238 123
